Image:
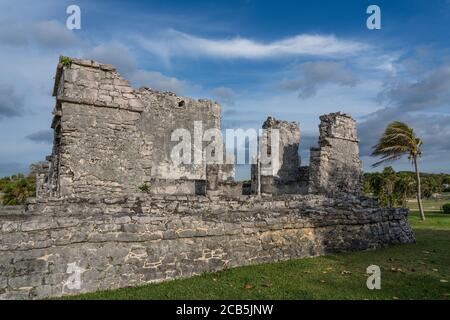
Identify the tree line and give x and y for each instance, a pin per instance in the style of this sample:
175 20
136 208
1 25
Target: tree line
394 188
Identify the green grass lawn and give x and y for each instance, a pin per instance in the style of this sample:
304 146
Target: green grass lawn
430 204
413 271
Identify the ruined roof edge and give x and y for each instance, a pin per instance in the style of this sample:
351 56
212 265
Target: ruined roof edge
81 62
109 67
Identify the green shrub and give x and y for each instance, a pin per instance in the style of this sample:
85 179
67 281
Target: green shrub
145 188
446 208
4 182
17 189
66 61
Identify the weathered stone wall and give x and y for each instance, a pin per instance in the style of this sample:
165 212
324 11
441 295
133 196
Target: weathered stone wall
281 175
285 158
165 112
111 138
119 242
335 167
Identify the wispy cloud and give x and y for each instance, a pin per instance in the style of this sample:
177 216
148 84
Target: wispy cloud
158 81
123 59
175 43
113 53
314 75
46 34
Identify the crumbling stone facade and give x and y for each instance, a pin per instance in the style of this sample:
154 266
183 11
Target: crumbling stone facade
280 176
335 167
91 228
112 138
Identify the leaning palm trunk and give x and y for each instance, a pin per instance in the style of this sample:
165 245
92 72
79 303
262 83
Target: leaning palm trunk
419 193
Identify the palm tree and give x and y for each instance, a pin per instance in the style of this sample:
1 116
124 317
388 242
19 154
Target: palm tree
405 186
397 140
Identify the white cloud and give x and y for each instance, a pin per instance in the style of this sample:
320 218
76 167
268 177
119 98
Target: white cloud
123 59
157 80
113 53
175 43
378 62
46 34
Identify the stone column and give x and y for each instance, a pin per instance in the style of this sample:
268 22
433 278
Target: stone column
335 166
283 155
40 170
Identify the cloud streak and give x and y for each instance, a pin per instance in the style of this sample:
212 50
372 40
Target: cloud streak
46 34
158 81
113 53
123 59
175 43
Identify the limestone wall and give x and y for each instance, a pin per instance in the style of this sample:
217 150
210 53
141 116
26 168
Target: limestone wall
335 167
285 168
111 138
118 242
281 175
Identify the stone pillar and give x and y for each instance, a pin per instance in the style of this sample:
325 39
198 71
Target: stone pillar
41 170
335 166
286 168
283 154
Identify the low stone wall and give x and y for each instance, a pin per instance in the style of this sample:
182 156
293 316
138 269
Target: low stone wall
73 246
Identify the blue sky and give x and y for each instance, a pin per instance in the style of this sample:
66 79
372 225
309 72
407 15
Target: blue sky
294 60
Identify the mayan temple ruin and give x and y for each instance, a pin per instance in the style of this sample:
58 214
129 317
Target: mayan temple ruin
113 210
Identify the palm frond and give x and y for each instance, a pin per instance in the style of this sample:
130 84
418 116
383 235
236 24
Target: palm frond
397 140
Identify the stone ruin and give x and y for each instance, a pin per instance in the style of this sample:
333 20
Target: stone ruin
110 138
335 167
91 228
